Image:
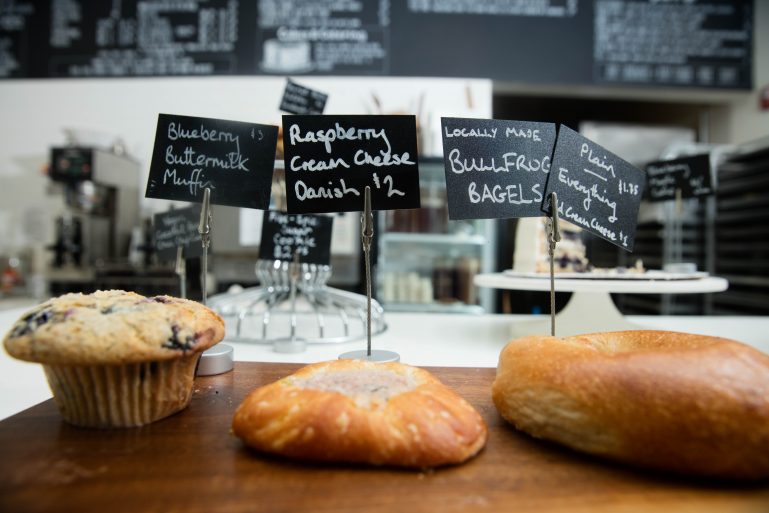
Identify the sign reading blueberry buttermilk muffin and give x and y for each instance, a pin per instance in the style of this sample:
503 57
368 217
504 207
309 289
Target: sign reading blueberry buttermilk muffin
596 189
233 159
496 168
284 235
331 159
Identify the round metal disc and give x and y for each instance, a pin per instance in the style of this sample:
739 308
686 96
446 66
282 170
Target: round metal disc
377 355
216 360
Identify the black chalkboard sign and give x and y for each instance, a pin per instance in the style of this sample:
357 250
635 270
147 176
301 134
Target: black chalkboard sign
689 174
178 228
283 235
596 189
298 99
496 168
234 159
331 159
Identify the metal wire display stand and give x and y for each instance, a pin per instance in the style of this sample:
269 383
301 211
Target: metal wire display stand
294 307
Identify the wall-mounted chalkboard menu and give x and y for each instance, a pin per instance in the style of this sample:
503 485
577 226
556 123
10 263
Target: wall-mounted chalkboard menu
696 43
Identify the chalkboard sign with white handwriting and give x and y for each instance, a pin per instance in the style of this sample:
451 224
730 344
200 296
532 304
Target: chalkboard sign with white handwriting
177 228
596 189
234 159
331 159
298 99
689 174
496 168
283 235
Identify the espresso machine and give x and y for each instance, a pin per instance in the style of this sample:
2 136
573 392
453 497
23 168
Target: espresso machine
101 191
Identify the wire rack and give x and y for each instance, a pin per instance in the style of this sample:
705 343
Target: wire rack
294 307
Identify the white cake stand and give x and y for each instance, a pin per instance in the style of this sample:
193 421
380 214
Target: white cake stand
591 308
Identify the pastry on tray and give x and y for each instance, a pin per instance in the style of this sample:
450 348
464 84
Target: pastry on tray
115 358
361 412
684 403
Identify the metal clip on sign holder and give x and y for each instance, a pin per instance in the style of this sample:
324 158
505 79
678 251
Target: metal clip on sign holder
367 236
219 358
553 236
181 271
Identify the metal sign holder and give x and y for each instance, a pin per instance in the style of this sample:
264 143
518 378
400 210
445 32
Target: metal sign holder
219 358
553 237
367 236
292 344
180 269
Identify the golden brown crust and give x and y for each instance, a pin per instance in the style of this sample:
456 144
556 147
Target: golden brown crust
113 327
690 404
424 425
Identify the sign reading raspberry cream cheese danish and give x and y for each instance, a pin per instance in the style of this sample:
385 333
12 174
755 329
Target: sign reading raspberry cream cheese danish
496 168
331 159
233 159
597 190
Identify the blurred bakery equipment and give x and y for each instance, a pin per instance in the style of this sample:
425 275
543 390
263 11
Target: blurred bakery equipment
101 192
290 311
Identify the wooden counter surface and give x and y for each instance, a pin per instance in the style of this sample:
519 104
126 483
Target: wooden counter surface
191 463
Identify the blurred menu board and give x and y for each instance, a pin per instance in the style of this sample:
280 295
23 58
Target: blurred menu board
693 43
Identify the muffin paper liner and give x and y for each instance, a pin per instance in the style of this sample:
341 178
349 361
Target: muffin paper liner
128 395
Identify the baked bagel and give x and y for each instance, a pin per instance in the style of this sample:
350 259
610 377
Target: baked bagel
690 404
361 412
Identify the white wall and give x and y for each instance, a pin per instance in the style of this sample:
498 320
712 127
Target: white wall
34 113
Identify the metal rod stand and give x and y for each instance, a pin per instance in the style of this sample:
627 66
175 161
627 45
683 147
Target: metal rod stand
553 236
367 236
181 271
204 229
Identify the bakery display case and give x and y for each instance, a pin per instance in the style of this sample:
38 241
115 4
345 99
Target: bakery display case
427 263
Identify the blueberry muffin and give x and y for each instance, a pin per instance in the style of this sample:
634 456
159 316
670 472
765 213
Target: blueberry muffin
116 358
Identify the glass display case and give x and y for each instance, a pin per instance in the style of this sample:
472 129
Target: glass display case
427 263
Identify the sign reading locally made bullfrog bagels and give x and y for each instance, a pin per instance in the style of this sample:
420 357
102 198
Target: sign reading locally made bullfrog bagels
178 228
596 189
690 175
496 168
284 235
331 159
233 159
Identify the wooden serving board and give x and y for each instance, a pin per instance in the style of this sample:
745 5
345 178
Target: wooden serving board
190 462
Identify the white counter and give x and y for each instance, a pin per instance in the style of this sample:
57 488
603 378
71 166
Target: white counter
448 340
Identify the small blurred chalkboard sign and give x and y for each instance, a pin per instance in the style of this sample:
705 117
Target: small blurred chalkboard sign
283 235
177 228
331 159
597 190
71 164
689 174
496 168
298 99
234 159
